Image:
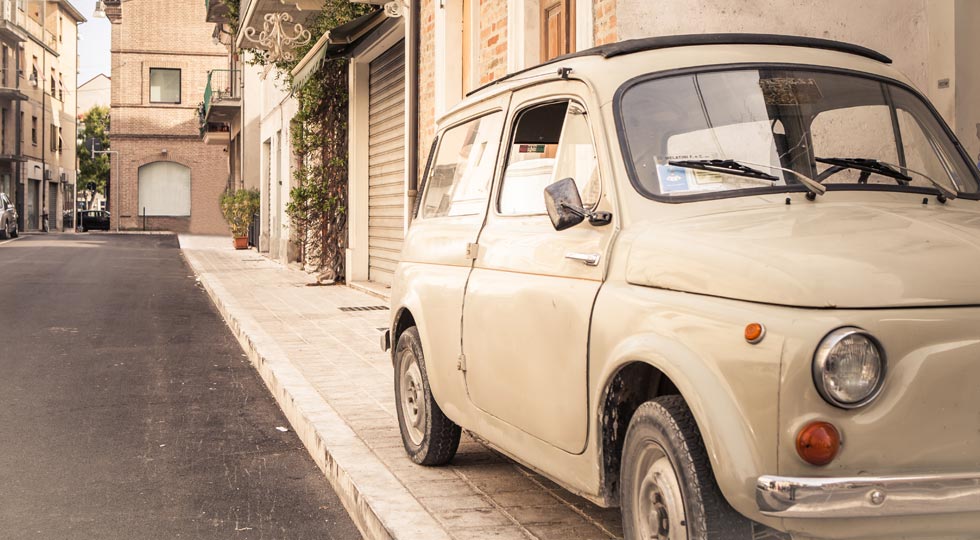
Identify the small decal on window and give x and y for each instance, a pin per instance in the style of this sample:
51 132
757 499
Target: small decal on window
531 149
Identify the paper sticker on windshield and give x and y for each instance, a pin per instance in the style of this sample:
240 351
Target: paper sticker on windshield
673 178
790 91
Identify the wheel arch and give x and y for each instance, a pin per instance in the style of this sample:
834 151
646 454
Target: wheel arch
403 320
651 366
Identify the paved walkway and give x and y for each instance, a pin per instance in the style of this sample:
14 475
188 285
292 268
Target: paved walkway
324 367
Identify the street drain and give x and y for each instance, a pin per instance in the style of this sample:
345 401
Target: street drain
363 308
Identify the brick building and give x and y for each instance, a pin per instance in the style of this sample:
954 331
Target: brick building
165 177
409 64
38 65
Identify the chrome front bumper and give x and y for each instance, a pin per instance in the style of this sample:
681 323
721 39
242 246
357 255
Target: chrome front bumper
860 496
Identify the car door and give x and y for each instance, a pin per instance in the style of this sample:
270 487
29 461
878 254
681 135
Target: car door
529 299
435 260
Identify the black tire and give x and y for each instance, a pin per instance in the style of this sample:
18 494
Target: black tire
3 232
665 428
16 232
431 438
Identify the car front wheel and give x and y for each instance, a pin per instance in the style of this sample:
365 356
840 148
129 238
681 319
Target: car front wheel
430 438
667 488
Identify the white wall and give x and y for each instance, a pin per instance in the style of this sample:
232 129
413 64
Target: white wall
278 109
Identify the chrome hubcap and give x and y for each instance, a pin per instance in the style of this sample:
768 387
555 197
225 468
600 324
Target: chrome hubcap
412 398
659 514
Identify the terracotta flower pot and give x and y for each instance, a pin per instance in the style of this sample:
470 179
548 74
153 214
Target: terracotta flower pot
241 242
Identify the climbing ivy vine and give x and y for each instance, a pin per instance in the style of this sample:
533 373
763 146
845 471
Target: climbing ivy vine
317 205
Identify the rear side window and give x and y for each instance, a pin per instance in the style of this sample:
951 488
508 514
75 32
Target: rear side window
462 171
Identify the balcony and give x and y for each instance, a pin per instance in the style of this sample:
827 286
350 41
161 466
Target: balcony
222 102
9 89
217 133
10 30
217 11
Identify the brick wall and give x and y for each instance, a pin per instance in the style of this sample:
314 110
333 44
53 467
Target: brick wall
493 40
604 21
145 36
427 82
207 183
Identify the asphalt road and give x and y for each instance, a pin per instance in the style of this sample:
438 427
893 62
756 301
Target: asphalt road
128 410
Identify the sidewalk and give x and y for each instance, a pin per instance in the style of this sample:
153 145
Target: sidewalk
325 368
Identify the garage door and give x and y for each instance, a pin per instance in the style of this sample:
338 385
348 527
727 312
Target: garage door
386 163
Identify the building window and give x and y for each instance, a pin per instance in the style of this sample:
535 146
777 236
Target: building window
557 28
54 138
164 85
61 87
164 189
52 88
61 140
34 130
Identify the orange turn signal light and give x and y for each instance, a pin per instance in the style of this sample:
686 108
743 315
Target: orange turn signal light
818 443
754 332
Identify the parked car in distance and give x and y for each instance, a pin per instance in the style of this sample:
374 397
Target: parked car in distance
722 281
8 218
93 220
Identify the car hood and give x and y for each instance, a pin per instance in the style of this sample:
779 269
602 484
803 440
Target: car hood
818 255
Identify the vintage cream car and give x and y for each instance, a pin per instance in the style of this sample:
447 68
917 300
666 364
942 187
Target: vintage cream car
726 282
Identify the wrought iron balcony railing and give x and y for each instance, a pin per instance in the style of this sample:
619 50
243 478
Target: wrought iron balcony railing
223 85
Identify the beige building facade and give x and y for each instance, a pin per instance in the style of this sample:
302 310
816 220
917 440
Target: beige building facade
96 91
164 176
38 109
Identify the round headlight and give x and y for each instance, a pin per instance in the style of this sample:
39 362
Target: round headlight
849 368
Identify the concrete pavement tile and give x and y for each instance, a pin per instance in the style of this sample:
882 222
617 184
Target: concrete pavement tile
476 517
482 533
443 503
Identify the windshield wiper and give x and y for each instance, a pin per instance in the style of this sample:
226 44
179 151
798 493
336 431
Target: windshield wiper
865 165
884 168
730 166
723 166
946 192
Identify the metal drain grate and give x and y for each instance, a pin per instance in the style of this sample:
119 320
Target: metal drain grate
363 308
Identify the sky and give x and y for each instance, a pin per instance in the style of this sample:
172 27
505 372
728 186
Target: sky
93 43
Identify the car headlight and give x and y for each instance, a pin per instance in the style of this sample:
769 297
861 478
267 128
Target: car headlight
849 368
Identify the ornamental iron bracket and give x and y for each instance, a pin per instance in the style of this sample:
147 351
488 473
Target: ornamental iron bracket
274 38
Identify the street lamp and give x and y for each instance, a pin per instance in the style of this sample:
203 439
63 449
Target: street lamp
99 12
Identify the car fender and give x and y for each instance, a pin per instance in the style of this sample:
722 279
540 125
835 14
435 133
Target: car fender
740 443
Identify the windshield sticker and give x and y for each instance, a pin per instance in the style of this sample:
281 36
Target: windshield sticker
703 178
790 91
673 178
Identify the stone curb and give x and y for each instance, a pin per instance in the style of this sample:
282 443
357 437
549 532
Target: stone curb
378 503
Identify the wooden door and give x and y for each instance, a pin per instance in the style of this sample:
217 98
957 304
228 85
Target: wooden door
557 28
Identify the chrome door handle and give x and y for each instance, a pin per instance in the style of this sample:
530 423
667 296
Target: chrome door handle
589 259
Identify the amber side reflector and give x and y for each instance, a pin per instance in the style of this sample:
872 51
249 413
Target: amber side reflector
818 443
754 332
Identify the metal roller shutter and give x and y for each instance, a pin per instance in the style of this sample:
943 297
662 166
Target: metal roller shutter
386 163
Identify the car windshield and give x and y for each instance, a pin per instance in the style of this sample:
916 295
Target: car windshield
749 131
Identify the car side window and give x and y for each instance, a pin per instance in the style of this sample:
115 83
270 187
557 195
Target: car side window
550 142
462 172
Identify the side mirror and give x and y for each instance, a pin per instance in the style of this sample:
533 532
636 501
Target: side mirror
564 204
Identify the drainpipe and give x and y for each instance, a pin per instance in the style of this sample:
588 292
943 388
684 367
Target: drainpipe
413 103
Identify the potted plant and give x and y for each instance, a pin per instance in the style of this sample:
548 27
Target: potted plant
238 208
